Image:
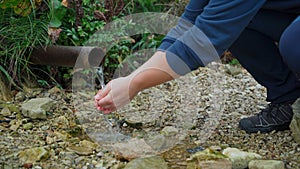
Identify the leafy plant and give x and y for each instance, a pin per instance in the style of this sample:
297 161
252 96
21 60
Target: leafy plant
136 6
57 13
21 7
234 62
76 35
18 36
25 24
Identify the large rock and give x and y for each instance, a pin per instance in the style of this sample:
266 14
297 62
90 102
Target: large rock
33 155
208 159
295 124
37 108
132 149
266 164
240 159
153 162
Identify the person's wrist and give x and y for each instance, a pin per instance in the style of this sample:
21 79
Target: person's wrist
135 86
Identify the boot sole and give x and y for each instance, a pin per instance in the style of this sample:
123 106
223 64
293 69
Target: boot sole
265 129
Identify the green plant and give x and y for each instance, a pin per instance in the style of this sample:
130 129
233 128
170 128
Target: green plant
76 35
25 25
57 13
18 36
136 6
234 62
43 83
147 41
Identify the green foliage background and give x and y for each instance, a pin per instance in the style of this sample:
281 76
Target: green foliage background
25 25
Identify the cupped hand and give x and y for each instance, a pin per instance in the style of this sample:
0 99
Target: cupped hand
115 95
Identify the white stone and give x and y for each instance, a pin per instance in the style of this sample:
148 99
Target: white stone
132 149
240 159
37 108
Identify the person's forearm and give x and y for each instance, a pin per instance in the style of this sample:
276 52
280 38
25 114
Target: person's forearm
155 71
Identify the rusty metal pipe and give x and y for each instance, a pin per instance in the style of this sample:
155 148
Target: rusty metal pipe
68 56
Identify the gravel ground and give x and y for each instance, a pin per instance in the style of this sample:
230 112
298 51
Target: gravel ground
204 106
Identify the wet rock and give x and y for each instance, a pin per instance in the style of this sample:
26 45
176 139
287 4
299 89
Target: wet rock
37 108
266 164
240 159
295 124
81 150
132 149
208 159
5 112
28 126
169 131
153 162
33 155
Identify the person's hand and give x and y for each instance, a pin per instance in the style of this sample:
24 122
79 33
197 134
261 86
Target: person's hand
115 95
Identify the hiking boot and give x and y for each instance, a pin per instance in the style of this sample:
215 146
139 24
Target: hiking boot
274 117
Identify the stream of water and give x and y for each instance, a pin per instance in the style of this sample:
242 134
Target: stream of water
113 134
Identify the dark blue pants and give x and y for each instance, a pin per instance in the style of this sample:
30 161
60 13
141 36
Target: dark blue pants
269 48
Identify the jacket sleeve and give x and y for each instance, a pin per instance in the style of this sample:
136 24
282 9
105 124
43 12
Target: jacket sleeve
186 21
214 30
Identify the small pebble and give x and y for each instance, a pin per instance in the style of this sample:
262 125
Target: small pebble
100 154
28 165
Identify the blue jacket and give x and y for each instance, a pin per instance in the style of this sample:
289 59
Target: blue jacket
207 28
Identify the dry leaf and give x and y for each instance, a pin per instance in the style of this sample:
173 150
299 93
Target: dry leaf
54 33
64 3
